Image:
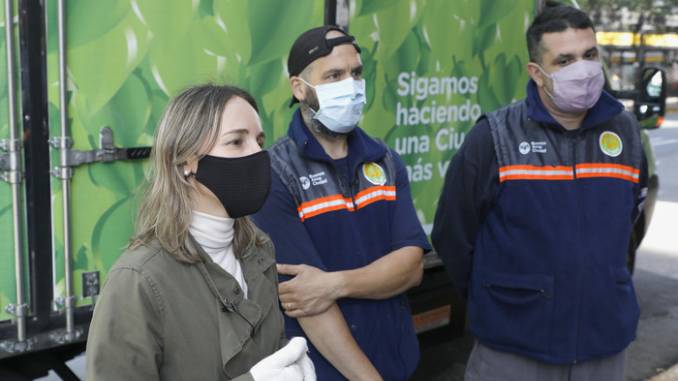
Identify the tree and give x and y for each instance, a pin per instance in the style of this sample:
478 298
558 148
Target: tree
650 14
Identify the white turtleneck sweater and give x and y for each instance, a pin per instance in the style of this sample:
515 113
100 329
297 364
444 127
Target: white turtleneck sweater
215 236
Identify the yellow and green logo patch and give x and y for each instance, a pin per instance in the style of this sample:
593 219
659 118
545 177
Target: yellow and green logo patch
611 144
374 173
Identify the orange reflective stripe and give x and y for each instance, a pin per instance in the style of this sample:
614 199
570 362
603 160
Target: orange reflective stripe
612 166
375 188
324 205
536 167
613 175
320 201
534 172
326 209
374 194
618 171
338 202
536 177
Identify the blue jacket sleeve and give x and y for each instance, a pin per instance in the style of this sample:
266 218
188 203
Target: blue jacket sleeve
470 188
406 229
280 220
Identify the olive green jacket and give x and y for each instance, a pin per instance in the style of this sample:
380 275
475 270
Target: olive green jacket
160 319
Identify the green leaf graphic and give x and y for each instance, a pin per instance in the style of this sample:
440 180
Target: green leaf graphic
275 40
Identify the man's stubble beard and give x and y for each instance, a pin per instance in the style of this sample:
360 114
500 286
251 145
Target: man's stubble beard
307 111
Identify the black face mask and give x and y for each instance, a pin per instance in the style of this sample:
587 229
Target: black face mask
240 183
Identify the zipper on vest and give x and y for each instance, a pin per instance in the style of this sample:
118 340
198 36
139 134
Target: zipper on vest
345 190
573 142
353 187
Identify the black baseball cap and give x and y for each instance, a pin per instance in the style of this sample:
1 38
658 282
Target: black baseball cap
313 44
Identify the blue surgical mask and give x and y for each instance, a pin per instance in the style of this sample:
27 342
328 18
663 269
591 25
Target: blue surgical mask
340 104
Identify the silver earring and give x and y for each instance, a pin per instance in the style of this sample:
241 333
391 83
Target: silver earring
188 173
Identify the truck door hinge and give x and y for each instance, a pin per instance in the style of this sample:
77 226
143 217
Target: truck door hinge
9 161
107 153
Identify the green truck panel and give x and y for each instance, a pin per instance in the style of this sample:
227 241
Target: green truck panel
7 244
432 68
125 60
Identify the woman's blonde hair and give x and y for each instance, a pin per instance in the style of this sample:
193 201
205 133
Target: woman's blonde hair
190 123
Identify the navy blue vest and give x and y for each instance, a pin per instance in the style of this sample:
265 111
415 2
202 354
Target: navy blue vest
549 277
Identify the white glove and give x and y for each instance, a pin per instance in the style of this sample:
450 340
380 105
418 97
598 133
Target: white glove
307 368
289 363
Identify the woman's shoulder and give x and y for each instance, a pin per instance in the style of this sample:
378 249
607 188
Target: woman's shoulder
146 258
264 243
261 249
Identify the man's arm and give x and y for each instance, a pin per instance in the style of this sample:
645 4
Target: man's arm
389 275
279 219
471 185
339 347
312 289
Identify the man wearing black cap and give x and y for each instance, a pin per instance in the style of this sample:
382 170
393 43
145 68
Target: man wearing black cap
341 217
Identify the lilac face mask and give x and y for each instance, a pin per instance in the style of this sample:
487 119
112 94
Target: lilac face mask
576 87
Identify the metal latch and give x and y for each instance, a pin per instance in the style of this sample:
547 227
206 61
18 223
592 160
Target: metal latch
9 161
19 311
60 302
15 346
107 153
4 162
90 284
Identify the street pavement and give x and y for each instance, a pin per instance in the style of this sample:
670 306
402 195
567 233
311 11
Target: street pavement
664 140
656 276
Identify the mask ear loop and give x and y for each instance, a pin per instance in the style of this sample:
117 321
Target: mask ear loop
304 81
313 87
548 76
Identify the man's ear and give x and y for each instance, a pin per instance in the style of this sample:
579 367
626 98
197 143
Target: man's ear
535 73
298 87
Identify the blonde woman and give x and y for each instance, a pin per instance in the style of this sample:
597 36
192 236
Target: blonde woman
195 295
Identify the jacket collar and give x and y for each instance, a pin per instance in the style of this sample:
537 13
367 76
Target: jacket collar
251 311
603 111
221 283
361 147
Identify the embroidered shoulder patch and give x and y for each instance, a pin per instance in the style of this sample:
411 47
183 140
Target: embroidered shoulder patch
374 173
